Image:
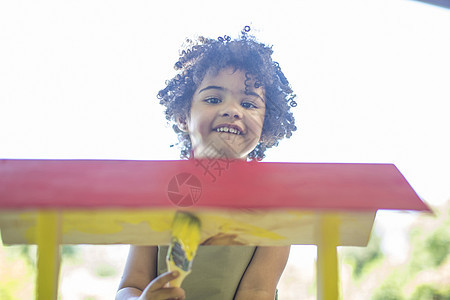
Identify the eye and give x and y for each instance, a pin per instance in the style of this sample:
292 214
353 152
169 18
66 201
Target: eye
248 105
213 100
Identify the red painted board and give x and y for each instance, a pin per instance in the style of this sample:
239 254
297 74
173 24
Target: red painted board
203 184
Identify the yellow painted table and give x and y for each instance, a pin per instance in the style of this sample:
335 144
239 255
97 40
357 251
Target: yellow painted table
54 202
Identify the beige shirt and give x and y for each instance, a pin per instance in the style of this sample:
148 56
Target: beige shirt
216 271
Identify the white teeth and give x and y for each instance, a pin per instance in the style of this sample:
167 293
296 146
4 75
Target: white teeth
226 129
235 131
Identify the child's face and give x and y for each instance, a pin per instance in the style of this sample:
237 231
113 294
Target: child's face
224 121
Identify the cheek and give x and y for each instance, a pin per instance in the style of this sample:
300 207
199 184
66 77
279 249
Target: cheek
255 125
199 124
258 120
262 117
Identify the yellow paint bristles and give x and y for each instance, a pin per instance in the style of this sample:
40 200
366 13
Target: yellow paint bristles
185 240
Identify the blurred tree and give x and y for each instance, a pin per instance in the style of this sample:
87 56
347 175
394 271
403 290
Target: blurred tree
425 275
18 269
361 258
430 241
427 292
388 291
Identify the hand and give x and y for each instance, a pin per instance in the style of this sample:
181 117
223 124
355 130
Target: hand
158 288
222 239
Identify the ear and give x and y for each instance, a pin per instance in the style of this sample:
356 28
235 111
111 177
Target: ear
182 124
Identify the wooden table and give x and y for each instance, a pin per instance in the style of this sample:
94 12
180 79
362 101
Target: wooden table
54 202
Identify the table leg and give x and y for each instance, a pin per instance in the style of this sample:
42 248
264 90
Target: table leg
48 241
327 263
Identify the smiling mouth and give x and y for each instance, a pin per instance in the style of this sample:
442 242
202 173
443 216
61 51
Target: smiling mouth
228 130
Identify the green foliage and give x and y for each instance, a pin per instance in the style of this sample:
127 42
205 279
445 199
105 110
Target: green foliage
18 269
362 258
69 252
105 270
388 291
28 252
430 248
5 293
438 245
420 259
430 244
17 275
427 292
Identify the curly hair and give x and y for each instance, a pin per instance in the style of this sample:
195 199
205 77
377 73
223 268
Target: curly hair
246 54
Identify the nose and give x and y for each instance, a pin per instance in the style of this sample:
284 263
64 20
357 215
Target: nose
232 110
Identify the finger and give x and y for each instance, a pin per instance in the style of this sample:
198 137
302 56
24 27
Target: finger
161 280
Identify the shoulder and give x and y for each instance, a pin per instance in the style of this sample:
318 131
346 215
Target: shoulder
272 259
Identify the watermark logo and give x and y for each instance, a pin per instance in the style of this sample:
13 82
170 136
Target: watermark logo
184 190
214 166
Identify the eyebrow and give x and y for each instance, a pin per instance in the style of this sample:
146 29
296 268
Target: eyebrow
220 88
212 87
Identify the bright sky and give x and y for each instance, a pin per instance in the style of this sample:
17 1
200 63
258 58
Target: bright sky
78 79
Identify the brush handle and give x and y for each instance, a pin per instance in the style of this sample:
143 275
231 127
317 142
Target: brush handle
177 281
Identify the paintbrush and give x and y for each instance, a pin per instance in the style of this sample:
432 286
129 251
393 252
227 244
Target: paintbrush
183 246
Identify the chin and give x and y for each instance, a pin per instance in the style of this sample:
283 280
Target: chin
219 147
233 151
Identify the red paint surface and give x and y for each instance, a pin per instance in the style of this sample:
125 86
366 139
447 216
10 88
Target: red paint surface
114 183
